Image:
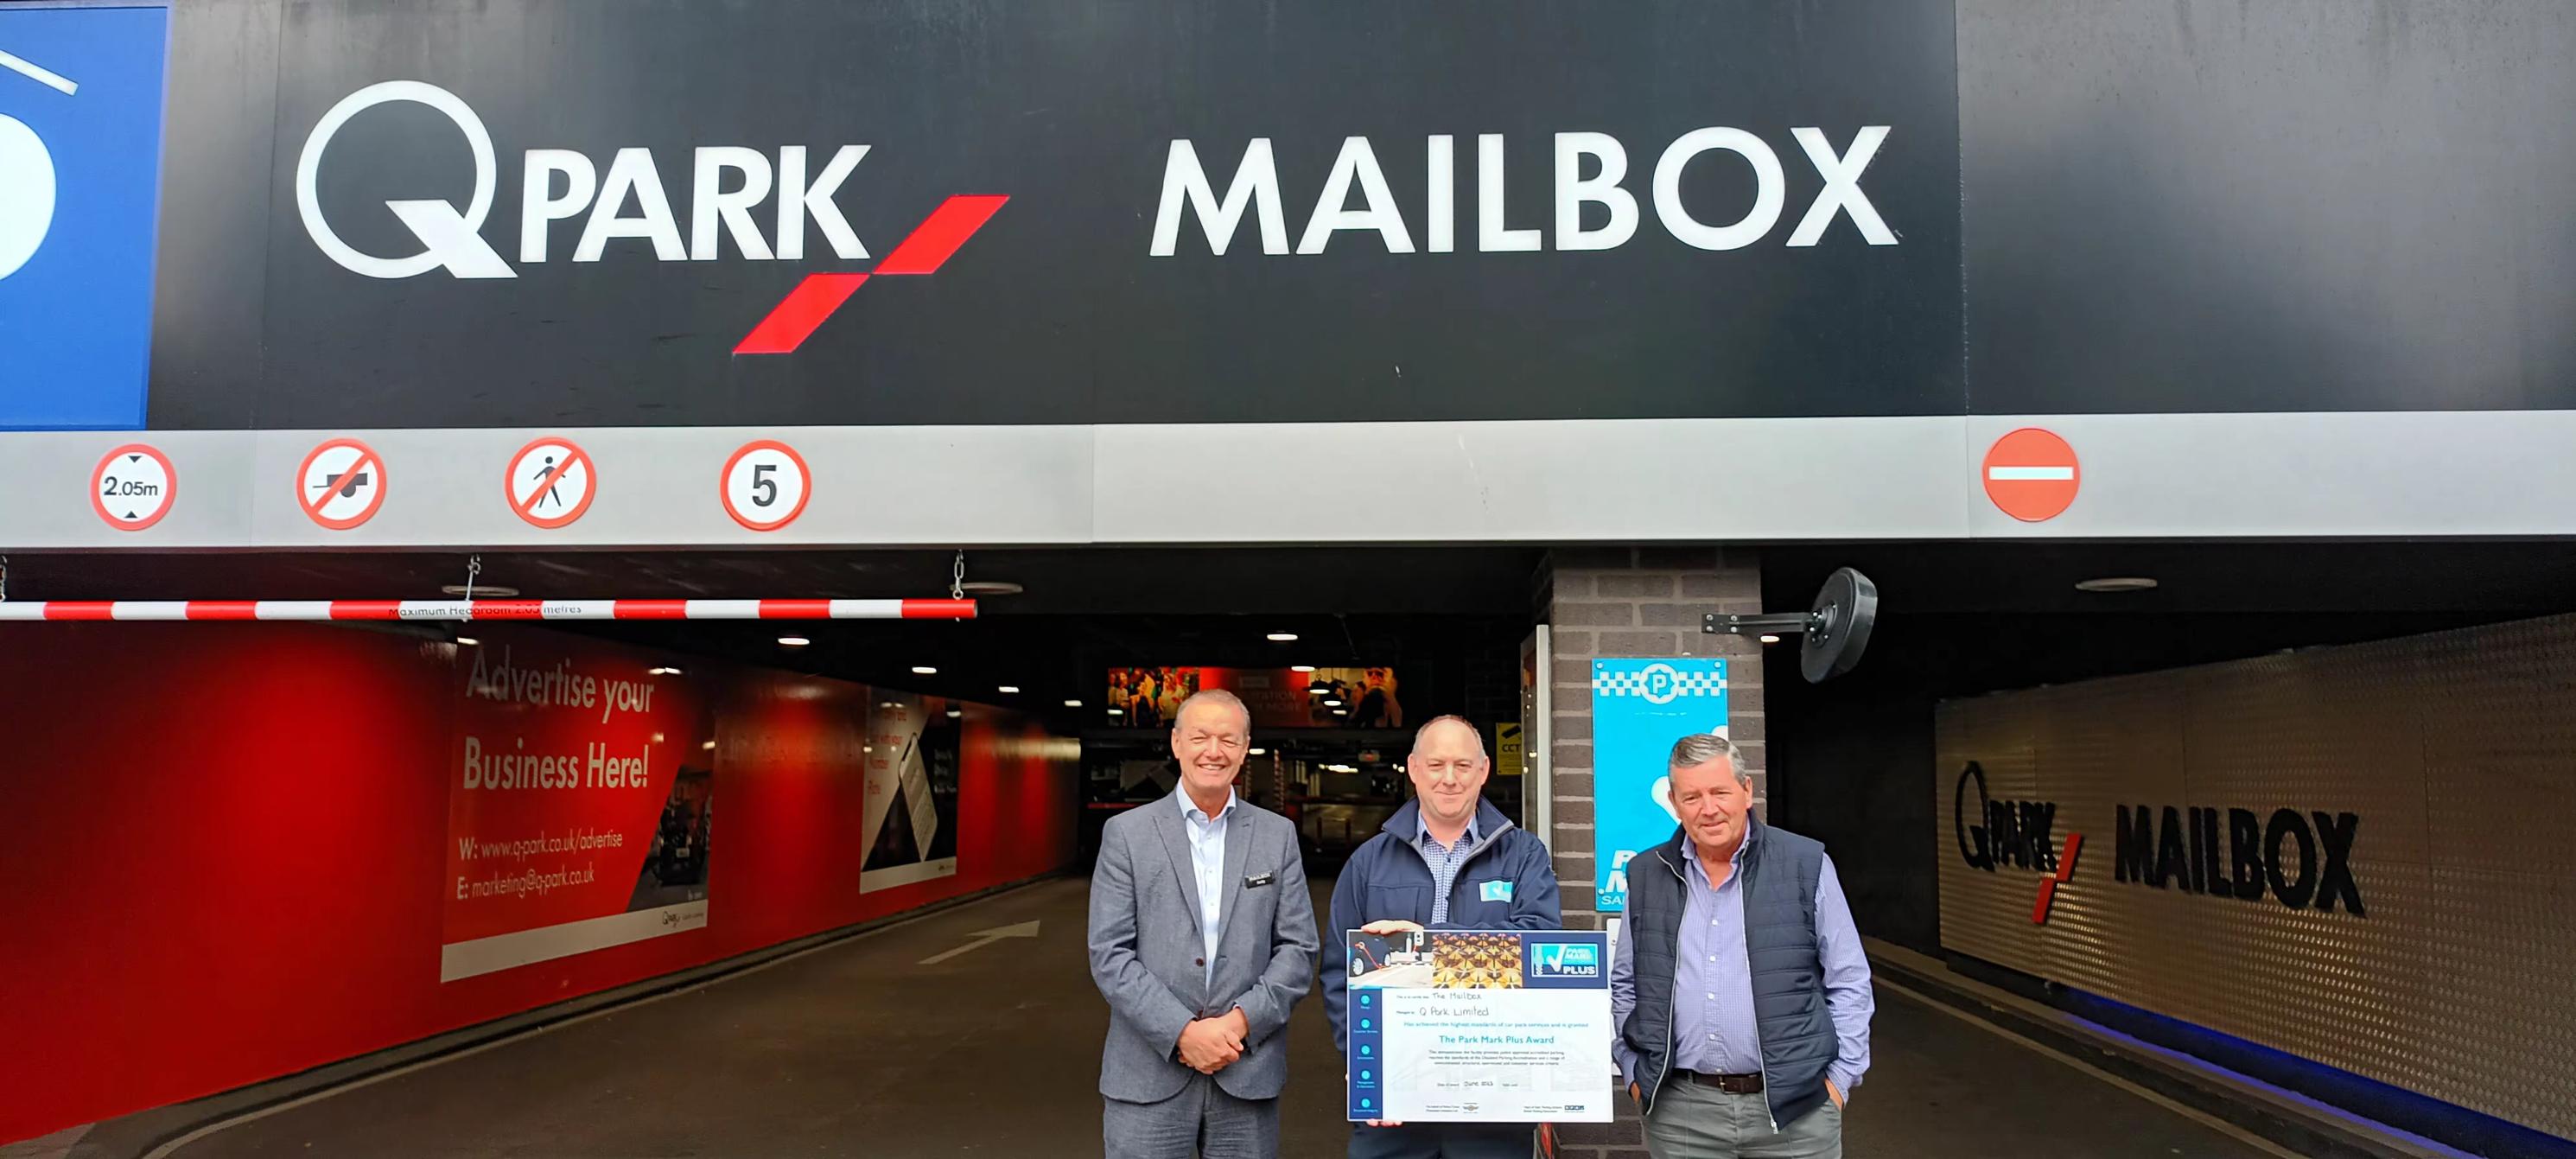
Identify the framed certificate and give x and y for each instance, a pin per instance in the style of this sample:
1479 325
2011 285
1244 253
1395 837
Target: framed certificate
1480 1026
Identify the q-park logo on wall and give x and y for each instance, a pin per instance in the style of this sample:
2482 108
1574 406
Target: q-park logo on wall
2012 833
1564 960
80 155
749 203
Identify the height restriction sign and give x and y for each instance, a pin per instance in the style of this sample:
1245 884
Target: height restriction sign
133 487
550 483
765 485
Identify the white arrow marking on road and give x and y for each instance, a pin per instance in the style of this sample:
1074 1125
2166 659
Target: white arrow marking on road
984 938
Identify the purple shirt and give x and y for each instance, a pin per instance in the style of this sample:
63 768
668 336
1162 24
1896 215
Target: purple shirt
1713 1027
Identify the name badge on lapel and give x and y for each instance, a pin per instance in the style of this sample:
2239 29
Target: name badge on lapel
1258 882
1495 890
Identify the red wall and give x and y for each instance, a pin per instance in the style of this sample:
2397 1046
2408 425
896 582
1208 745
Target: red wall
220 851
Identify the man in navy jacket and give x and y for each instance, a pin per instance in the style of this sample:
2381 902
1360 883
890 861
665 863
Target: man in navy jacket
1445 861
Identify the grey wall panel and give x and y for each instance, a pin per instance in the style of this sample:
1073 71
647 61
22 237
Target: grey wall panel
44 490
211 266
876 486
2427 475
2450 749
2479 473
2215 205
1575 480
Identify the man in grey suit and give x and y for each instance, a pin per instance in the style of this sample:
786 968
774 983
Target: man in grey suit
1202 939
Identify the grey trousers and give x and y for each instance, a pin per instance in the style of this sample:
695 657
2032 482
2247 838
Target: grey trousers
1201 1121
1691 1121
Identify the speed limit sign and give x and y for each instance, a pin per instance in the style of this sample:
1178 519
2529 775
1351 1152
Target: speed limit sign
765 485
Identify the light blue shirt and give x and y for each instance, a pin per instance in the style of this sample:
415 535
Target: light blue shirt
1445 863
1207 864
1713 1024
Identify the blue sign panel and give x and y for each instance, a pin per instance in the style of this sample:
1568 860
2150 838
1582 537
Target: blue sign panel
1639 708
80 163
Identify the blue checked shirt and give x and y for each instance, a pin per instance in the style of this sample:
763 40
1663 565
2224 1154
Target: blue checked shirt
1445 863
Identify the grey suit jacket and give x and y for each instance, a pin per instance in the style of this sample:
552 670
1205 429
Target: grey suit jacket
1146 949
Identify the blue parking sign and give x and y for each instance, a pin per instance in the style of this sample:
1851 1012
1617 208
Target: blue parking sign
80 177
1639 708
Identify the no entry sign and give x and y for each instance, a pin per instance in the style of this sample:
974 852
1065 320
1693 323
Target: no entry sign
2032 475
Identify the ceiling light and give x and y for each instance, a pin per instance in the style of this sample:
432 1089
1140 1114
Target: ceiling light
1316 690
1256 752
665 670
888 704
1283 637
954 713
795 642
1010 689
2116 583
482 591
1341 712
467 641
991 588
1117 712
1301 667
1770 639
1329 702
1073 704
924 670
710 746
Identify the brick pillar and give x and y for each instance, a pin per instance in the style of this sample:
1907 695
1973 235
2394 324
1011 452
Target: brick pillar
1607 603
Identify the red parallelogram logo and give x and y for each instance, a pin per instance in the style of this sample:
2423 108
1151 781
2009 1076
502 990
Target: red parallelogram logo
2048 885
927 248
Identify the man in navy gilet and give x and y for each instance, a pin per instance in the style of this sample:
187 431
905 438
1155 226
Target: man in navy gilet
1739 990
1447 860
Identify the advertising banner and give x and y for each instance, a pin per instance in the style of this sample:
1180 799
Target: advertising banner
824 213
2356 855
580 803
910 823
1479 1026
1639 708
1361 697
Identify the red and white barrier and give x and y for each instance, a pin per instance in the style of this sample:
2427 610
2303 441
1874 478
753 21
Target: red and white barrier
488 610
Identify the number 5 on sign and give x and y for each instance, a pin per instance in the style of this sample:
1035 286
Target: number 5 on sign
765 485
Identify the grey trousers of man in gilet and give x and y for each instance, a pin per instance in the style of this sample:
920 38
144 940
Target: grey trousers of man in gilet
1202 1121
1691 1121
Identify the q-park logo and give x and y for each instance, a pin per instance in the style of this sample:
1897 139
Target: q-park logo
728 186
2012 833
1565 960
27 181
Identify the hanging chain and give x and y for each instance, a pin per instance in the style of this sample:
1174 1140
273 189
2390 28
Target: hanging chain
473 571
957 578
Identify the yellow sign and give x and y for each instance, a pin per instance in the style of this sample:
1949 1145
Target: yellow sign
1508 754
